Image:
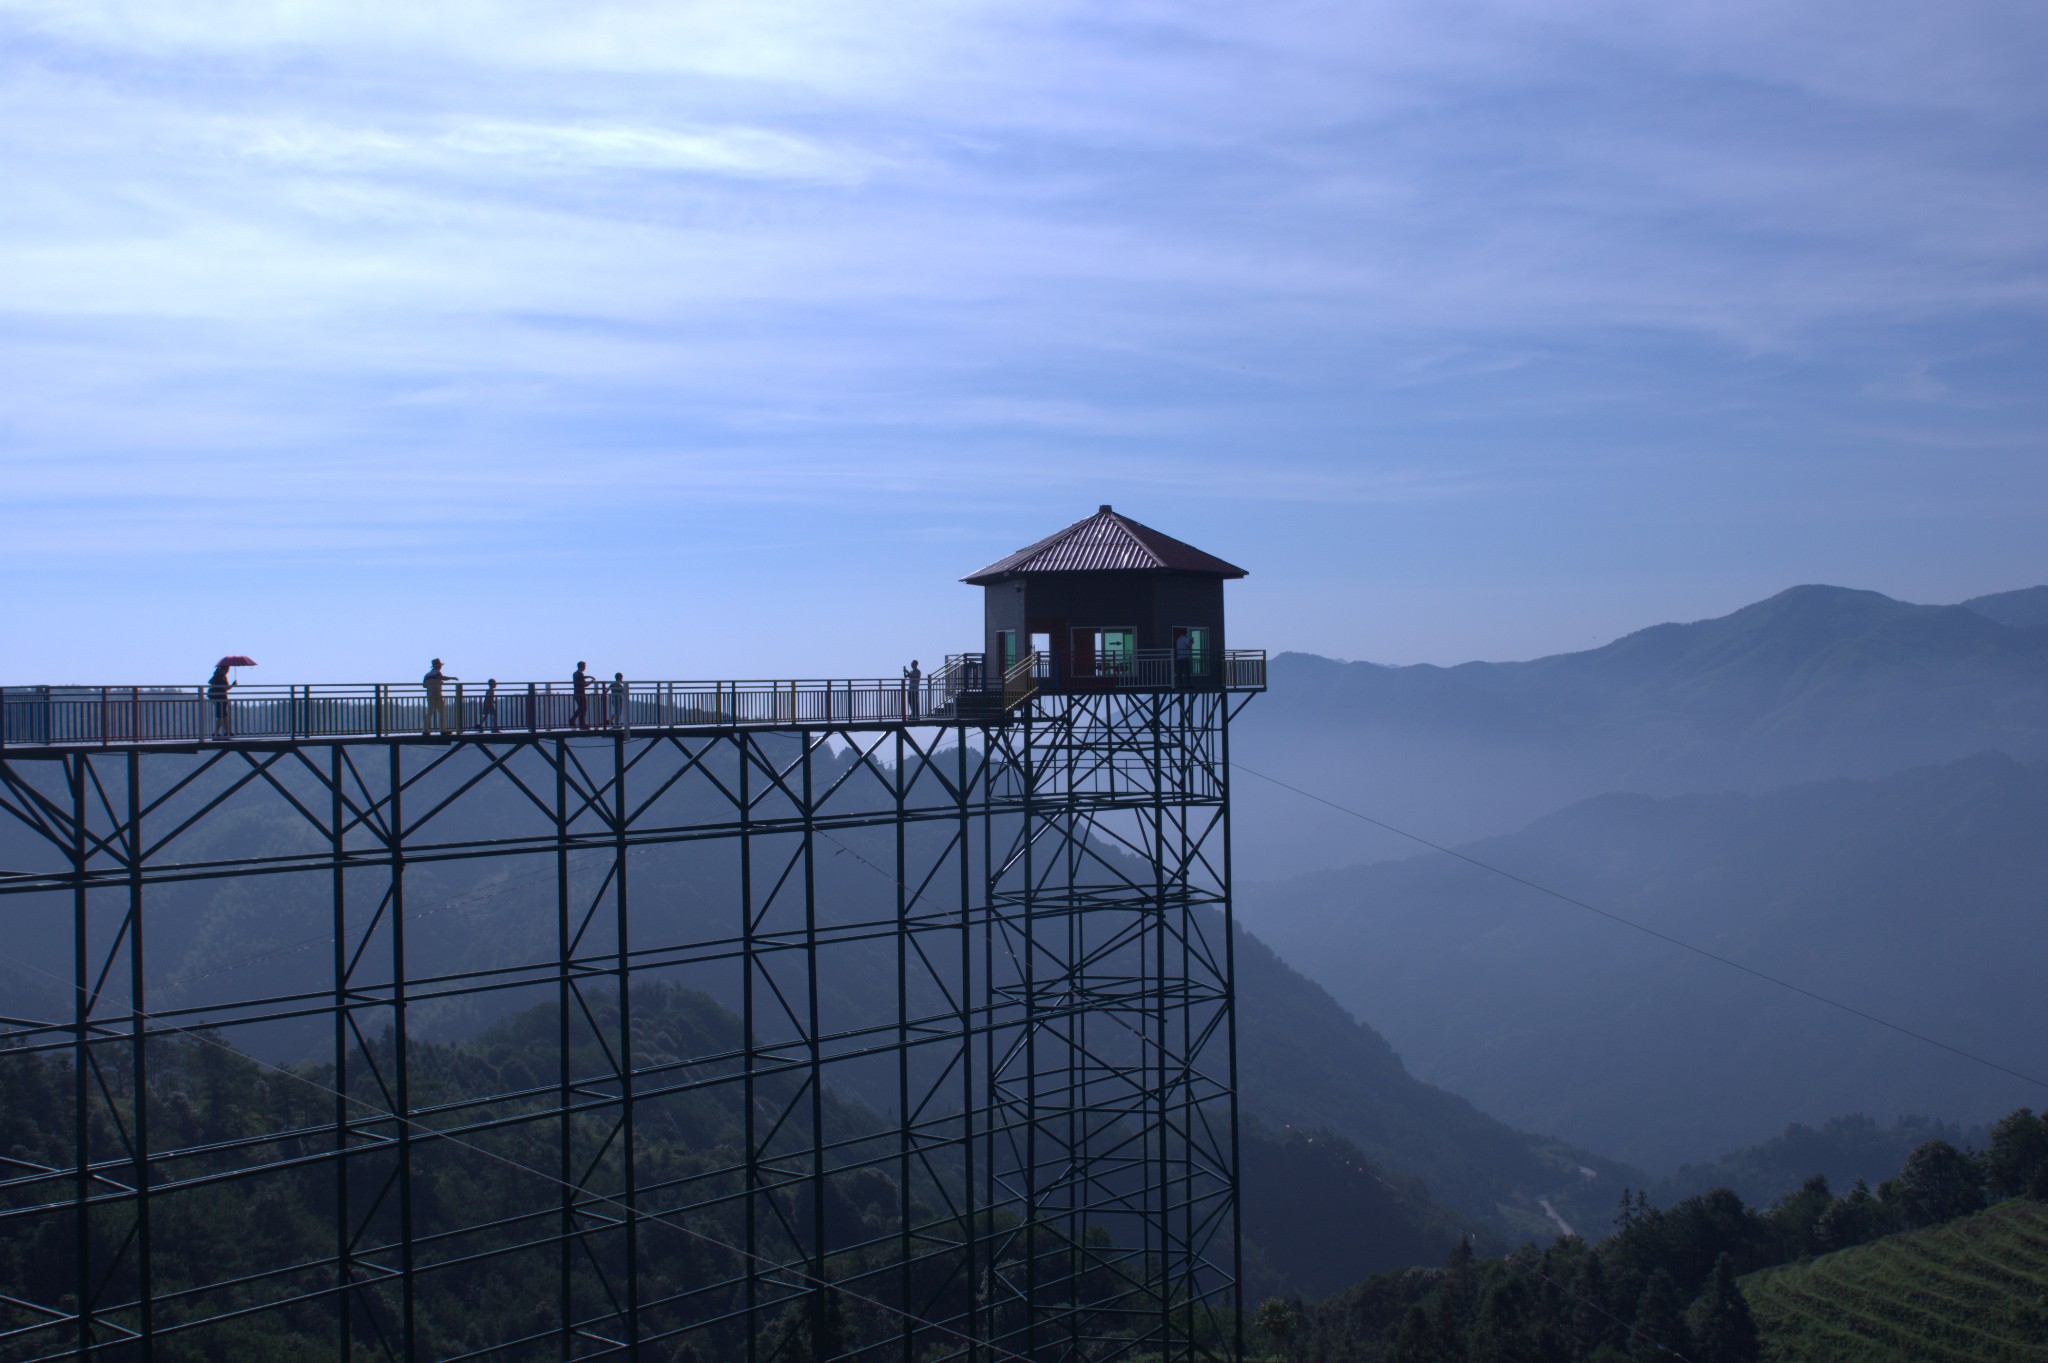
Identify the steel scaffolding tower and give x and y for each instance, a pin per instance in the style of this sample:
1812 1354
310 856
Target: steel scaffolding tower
782 1039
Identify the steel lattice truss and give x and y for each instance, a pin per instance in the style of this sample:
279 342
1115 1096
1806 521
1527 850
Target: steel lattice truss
889 1042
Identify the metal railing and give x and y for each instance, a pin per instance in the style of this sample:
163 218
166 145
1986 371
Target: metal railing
1159 669
61 716
1020 683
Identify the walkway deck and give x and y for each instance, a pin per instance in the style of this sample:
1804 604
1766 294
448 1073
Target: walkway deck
51 718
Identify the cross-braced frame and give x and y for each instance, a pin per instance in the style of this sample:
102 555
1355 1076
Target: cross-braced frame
787 1042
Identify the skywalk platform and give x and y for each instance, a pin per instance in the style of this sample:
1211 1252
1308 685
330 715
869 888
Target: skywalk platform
965 691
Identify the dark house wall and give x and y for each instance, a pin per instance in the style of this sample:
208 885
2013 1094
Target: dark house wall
1152 603
1186 599
1003 608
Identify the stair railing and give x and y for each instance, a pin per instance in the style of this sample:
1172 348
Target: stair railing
1020 682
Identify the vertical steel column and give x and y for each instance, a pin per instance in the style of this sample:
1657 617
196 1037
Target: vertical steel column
1079 1139
81 1022
402 1054
1160 1023
138 1027
751 1170
1221 778
629 1153
344 1242
820 1322
905 1303
1032 1219
564 1068
970 1235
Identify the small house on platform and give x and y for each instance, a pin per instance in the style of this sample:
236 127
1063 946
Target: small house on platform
1108 602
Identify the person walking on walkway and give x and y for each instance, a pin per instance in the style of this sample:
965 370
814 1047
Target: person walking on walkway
581 681
437 699
217 691
913 680
618 700
487 714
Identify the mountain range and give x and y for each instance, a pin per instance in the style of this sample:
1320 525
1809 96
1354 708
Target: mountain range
1815 682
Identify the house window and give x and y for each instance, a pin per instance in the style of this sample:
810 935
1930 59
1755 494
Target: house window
1111 647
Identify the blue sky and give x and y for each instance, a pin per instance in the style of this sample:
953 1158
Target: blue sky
705 339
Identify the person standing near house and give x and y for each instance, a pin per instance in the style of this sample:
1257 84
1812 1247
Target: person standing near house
1183 656
618 700
581 681
437 699
913 680
488 714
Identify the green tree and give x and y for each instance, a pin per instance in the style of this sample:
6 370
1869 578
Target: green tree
2016 1161
1854 1219
1659 1328
1796 1219
1280 1321
1938 1183
1503 1334
1719 1323
1417 1342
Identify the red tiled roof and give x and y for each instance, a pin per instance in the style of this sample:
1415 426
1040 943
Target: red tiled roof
1106 542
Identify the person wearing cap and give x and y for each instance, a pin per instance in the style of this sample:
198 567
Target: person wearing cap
437 701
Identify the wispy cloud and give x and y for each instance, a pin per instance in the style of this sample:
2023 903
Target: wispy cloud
410 274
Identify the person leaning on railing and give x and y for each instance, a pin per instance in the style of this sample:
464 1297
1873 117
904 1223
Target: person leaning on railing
437 699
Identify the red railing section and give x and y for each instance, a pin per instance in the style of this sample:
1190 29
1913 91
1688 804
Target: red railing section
66 716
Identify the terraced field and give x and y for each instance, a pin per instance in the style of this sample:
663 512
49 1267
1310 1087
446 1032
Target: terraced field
1973 1291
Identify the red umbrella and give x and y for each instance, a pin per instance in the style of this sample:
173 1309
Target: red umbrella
236 660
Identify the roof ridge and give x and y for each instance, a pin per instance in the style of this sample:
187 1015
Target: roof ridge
1107 541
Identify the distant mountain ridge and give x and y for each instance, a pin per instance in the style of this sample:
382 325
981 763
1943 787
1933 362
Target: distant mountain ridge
1812 683
2027 608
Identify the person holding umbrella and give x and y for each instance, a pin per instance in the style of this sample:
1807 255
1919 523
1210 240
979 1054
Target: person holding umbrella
217 691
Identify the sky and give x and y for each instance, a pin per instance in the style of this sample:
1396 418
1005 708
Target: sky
722 339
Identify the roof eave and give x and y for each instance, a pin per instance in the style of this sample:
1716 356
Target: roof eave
987 578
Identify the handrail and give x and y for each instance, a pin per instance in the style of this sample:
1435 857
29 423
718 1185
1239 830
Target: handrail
1020 682
103 716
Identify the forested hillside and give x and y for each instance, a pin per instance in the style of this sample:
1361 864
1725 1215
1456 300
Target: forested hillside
1304 1062
1975 1291
1843 1150
1318 1214
1916 897
1670 1282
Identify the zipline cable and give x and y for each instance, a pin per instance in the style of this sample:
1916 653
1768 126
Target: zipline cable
1679 942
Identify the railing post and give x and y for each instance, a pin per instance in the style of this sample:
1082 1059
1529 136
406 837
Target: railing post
378 689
